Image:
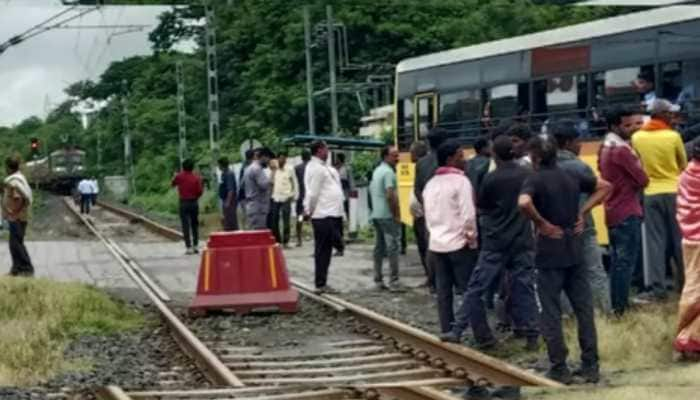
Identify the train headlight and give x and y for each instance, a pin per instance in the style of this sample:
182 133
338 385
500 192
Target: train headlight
79 168
59 169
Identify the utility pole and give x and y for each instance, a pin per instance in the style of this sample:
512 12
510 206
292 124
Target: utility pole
213 87
309 72
181 115
330 26
128 162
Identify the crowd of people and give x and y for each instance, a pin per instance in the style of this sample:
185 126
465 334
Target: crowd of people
514 222
510 228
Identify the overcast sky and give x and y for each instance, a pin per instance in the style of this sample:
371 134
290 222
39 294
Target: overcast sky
44 65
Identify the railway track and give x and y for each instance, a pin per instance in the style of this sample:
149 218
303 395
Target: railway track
382 359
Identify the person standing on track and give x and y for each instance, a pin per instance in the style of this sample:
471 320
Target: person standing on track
551 199
85 189
385 218
258 190
323 203
285 190
227 194
619 164
190 189
16 204
507 242
663 157
450 216
299 171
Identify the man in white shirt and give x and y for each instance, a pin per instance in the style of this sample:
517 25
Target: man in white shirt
284 190
324 205
85 190
95 190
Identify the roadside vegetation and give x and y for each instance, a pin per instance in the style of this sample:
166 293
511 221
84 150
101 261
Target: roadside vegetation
38 318
636 357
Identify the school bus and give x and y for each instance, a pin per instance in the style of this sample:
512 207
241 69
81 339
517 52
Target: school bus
572 72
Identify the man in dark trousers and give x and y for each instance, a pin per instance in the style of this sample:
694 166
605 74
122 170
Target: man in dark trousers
323 203
227 193
190 189
507 242
425 169
550 198
16 204
569 147
300 170
418 151
619 164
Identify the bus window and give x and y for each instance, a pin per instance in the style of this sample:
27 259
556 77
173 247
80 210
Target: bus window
459 112
624 86
508 101
426 107
404 134
679 83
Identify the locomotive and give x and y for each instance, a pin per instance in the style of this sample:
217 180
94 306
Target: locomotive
59 172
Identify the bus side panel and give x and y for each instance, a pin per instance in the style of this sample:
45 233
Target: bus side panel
405 175
589 155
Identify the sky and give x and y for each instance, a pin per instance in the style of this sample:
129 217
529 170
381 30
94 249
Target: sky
34 73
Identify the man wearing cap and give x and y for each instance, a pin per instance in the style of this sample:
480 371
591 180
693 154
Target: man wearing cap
663 157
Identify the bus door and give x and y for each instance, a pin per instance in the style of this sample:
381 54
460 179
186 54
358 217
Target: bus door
426 115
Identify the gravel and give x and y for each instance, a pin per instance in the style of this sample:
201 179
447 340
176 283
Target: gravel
51 220
312 323
145 359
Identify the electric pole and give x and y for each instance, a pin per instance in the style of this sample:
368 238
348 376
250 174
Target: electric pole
128 161
309 72
181 115
213 87
330 26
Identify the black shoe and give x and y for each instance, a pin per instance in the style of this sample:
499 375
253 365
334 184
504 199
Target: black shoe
477 393
506 393
562 375
532 344
450 337
589 375
339 253
486 345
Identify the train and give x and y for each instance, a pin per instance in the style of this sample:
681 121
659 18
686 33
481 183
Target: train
59 172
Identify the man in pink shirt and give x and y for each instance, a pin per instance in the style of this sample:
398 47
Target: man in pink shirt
450 217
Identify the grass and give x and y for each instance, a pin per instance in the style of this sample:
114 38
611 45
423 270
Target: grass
636 358
38 318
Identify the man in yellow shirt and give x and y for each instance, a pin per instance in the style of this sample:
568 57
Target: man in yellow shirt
663 157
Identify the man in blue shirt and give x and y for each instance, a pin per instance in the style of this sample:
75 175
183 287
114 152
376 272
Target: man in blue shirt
385 217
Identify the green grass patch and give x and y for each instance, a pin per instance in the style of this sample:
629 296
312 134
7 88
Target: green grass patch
636 358
38 318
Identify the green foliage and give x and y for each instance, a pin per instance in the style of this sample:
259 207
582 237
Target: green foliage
38 317
261 76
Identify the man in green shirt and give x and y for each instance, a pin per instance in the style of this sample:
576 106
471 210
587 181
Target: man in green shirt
385 218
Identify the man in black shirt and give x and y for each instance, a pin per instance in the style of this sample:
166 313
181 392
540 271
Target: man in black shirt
227 194
478 166
300 170
550 198
506 242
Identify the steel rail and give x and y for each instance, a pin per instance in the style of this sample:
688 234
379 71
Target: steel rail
463 362
209 364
